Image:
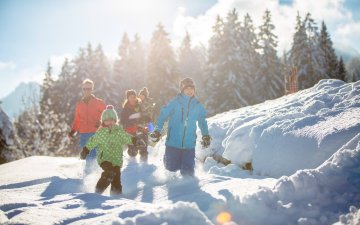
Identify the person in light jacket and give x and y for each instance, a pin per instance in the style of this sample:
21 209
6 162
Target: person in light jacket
182 112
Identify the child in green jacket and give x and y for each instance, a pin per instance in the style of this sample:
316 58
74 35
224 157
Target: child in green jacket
109 140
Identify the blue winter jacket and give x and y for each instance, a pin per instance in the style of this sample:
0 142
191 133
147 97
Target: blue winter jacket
182 112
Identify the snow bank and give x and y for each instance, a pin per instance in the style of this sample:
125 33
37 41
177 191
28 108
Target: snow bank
314 196
298 131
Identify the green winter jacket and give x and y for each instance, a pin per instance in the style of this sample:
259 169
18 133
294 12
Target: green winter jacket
109 142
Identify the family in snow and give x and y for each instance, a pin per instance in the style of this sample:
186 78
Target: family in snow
102 137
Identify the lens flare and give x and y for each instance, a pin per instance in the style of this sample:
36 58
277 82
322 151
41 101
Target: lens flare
223 217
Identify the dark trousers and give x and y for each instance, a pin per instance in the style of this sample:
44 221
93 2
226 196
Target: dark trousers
134 150
180 159
111 175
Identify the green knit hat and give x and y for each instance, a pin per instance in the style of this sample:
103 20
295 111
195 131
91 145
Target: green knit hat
109 114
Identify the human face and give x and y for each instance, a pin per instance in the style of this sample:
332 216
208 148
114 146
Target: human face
189 91
87 89
109 123
132 99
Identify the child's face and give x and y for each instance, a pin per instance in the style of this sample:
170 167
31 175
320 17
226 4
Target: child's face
109 123
189 91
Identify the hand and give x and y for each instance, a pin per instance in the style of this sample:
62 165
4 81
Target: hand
138 142
155 136
206 141
85 151
71 134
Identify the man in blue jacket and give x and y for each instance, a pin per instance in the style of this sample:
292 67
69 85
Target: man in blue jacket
182 112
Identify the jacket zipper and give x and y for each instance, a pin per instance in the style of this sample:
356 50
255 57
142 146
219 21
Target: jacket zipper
186 120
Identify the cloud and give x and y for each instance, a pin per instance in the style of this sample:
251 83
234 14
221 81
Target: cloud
7 65
341 25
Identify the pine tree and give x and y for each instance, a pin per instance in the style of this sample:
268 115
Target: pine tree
213 81
62 88
270 66
329 62
353 68
121 65
299 53
341 73
46 88
137 63
225 82
315 59
163 76
250 62
101 75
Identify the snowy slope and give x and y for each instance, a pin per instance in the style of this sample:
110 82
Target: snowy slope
316 129
298 131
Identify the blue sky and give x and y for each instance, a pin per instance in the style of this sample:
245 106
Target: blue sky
34 32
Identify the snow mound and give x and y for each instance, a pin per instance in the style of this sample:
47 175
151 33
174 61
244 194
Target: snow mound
297 131
314 196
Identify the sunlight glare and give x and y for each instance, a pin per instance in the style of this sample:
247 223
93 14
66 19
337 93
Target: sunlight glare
223 217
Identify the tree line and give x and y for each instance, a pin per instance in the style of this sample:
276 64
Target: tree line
240 67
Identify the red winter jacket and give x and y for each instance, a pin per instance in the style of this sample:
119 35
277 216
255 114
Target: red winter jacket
88 115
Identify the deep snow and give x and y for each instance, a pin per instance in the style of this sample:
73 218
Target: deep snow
305 151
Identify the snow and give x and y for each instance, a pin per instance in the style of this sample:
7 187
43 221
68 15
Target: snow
305 151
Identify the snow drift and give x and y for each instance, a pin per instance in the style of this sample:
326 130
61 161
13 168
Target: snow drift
298 131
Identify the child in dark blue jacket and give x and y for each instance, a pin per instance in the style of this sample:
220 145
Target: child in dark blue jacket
182 112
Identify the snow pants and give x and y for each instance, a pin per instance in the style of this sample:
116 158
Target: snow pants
180 159
134 150
110 175
90 163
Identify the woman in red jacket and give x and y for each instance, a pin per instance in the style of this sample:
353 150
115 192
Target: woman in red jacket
87 120
131 121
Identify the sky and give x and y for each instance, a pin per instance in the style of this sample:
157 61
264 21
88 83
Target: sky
306 163
35 32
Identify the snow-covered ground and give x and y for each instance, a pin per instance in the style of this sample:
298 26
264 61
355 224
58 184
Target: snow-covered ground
305 152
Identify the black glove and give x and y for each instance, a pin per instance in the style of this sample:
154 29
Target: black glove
85 151
71 133
138 141
206 141
155 136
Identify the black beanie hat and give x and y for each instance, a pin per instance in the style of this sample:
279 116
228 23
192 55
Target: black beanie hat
187 82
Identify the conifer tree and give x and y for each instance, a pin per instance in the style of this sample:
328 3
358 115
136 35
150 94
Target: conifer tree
163 76
341 73
298 55
353 68
329 58
137 63
270 65
224 80
213 80
46 88
250 62
121 65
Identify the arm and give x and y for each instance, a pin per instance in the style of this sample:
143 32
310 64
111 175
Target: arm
76 123
164 115
202 123
93 141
